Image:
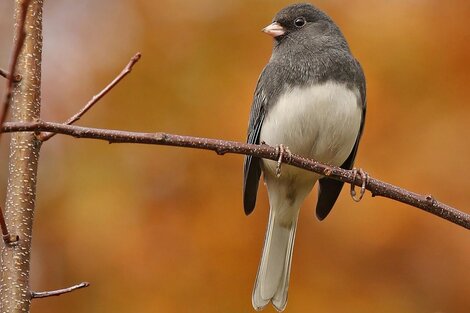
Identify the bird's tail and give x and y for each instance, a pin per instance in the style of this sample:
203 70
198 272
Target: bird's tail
272 280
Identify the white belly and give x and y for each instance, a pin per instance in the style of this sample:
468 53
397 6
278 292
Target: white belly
319 122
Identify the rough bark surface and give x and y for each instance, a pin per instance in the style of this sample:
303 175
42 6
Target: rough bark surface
22 167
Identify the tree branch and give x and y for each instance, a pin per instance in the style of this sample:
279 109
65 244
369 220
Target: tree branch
11 78
24 99
375 186
52 293
46 136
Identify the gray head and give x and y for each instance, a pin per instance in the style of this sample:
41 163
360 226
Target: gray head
305 25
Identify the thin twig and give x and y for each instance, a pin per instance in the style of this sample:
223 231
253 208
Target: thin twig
46 136
4 73
52 293
377 187
16 78
11 78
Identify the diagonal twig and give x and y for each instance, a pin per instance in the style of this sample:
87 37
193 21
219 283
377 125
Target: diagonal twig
377 187
11 78
16 78
4 73
46 136
52 293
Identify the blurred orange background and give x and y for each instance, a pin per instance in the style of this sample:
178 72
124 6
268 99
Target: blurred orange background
160 229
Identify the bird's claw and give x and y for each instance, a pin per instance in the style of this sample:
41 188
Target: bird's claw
281 150
364 180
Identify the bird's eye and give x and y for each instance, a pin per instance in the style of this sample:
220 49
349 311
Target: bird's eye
299 22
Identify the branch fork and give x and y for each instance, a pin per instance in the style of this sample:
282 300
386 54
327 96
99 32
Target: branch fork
46 136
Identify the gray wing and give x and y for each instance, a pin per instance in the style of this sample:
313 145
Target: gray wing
329 189
252 166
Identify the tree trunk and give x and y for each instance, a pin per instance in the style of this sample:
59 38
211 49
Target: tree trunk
22 167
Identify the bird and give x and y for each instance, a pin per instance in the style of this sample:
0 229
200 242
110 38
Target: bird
311 99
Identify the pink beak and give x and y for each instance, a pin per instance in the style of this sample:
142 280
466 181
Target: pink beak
274 29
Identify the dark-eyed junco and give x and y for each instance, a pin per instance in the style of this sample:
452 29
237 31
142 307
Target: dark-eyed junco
311 98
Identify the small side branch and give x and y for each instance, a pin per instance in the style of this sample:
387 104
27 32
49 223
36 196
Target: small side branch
377 187
16 78
4 73
46 136
8 239
53 293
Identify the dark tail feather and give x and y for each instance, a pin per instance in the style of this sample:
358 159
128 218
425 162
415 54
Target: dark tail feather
328 192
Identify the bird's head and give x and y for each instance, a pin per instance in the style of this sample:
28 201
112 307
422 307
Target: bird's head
303 23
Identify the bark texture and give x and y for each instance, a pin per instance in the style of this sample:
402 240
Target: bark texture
22 167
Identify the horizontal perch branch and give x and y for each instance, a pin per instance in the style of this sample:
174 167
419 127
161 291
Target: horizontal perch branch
375 186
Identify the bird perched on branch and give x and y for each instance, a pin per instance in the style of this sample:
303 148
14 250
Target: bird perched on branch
310 100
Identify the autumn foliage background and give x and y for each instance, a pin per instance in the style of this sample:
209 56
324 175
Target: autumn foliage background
159 229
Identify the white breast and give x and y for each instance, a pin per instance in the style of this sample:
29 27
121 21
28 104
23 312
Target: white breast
320 122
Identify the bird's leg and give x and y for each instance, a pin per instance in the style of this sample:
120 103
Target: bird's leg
364 179
281 150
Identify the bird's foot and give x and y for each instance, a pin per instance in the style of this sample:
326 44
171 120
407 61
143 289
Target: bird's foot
281 151
364 181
